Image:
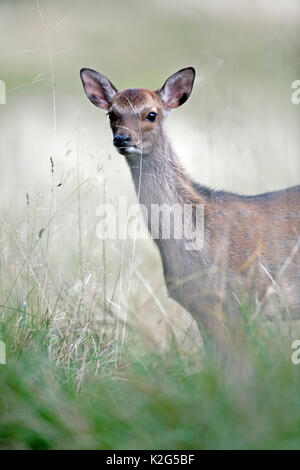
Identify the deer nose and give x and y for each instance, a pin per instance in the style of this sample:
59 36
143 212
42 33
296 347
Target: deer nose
122 140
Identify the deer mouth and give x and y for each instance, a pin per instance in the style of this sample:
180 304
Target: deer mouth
129 150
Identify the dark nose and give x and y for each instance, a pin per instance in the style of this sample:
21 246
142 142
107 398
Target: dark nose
122 140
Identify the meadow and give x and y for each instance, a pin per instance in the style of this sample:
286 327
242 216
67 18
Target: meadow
97 355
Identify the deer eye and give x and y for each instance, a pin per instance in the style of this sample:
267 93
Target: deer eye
112 117
151 117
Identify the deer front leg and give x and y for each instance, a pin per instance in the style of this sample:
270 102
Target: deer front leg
211 322
208 312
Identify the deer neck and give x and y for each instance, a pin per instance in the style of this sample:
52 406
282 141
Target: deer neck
159 177
160 180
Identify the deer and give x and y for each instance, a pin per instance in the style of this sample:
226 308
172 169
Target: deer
250 245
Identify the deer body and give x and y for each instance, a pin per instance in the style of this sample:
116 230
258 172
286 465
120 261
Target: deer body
251 243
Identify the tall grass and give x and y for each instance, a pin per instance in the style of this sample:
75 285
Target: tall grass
77 375
69 382
62 393
72 380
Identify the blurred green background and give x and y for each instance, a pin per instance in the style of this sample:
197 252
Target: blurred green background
239 131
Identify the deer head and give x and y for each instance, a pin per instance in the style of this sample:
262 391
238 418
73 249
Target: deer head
137 114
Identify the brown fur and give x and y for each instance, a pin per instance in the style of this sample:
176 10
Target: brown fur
251 243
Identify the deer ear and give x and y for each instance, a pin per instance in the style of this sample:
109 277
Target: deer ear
99 90
177 88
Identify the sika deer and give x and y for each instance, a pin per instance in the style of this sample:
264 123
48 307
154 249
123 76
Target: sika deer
251 243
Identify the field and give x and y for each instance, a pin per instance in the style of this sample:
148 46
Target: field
97 355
